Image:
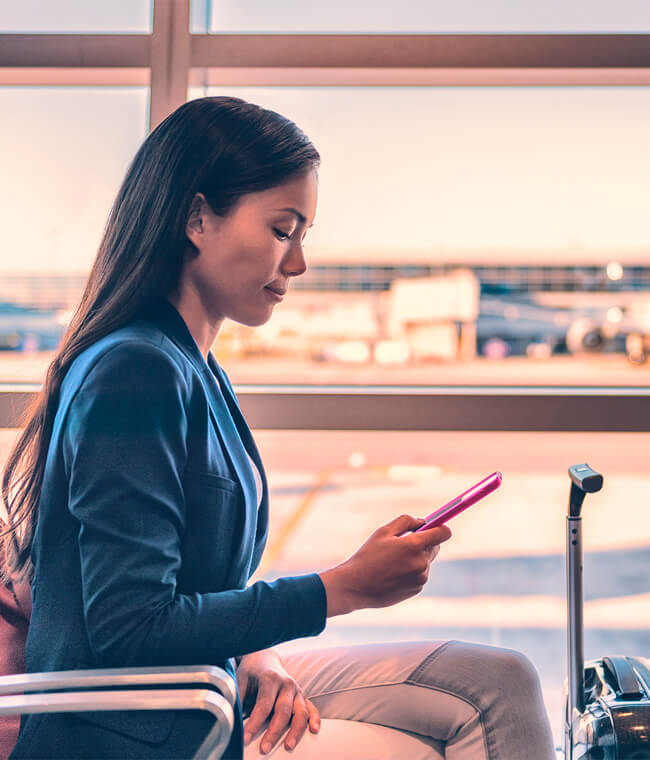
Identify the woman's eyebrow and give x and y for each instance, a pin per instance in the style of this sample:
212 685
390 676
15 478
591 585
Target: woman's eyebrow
300 216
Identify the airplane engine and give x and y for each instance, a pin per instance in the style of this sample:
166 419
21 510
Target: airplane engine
585 336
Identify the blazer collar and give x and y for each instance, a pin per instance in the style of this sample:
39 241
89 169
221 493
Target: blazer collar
167 317
224 408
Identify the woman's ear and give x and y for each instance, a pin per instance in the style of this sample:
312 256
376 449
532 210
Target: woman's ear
195 225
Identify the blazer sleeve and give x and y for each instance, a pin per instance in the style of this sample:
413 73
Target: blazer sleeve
125 452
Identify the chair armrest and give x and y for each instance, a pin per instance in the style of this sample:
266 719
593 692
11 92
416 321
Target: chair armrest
17 695
217 678
212 746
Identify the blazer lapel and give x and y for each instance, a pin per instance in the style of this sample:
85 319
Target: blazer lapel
238 417
249 442
174 326
233 445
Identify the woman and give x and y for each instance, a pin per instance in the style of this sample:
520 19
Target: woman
138 489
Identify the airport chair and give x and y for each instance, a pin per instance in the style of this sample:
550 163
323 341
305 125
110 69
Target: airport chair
202 687
206 688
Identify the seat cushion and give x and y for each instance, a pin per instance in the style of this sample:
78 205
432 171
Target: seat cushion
15 606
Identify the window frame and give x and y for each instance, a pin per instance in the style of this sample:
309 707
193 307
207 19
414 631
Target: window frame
171 59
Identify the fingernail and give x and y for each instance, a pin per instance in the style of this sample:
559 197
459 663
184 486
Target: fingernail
247 737
265 747
291 743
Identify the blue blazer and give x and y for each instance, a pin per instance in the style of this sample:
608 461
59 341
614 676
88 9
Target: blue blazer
148 531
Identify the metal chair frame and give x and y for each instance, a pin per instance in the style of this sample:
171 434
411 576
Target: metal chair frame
209 688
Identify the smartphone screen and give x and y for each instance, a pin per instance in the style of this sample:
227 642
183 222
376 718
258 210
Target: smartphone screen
461 502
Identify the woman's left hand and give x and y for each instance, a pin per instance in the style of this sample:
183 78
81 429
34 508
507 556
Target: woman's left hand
261 677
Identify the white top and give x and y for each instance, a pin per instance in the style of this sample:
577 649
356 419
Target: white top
259 487
258 480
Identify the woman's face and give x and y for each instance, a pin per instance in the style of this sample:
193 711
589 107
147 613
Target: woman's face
246 258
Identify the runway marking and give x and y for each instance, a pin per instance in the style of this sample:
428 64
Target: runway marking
288 529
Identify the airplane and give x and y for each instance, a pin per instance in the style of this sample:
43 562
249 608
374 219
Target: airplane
28 329
511 324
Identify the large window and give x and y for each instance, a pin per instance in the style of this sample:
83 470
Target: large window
64 151
466 237
474 235
418 16
75 16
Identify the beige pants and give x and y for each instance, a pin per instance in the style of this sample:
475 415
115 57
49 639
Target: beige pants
419 701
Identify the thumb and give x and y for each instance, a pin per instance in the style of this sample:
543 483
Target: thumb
401 524
434 536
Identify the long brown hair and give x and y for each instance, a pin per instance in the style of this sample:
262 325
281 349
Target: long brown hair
223 147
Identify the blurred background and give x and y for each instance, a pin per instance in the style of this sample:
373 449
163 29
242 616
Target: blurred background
482 232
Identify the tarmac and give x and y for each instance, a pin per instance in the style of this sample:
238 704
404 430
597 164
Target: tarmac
282 368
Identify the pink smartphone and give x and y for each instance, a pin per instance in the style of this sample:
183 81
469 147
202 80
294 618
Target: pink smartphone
460 503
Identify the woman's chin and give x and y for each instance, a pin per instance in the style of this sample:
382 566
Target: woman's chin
254 320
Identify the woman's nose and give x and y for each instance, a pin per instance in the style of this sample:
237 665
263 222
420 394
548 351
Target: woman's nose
295 263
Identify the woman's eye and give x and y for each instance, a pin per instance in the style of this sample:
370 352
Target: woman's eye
281 235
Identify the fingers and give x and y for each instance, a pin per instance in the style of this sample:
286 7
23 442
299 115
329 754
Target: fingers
289 703
284 709
301 719
293 710
266 696
314 717
400 525
408 523
305 713
432 536
424 552
288 707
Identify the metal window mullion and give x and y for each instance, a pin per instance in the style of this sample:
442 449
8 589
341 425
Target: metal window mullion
473 51
170 58
420 408
74 50
44 60
334 51
420 60
177 57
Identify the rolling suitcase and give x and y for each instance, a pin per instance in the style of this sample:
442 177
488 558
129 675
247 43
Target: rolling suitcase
607 709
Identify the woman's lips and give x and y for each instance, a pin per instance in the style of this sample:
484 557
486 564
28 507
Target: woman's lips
274 294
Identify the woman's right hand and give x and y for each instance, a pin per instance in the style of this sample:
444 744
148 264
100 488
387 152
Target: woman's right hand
392 565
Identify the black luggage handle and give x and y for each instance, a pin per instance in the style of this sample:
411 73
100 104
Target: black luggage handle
625 681
584 480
